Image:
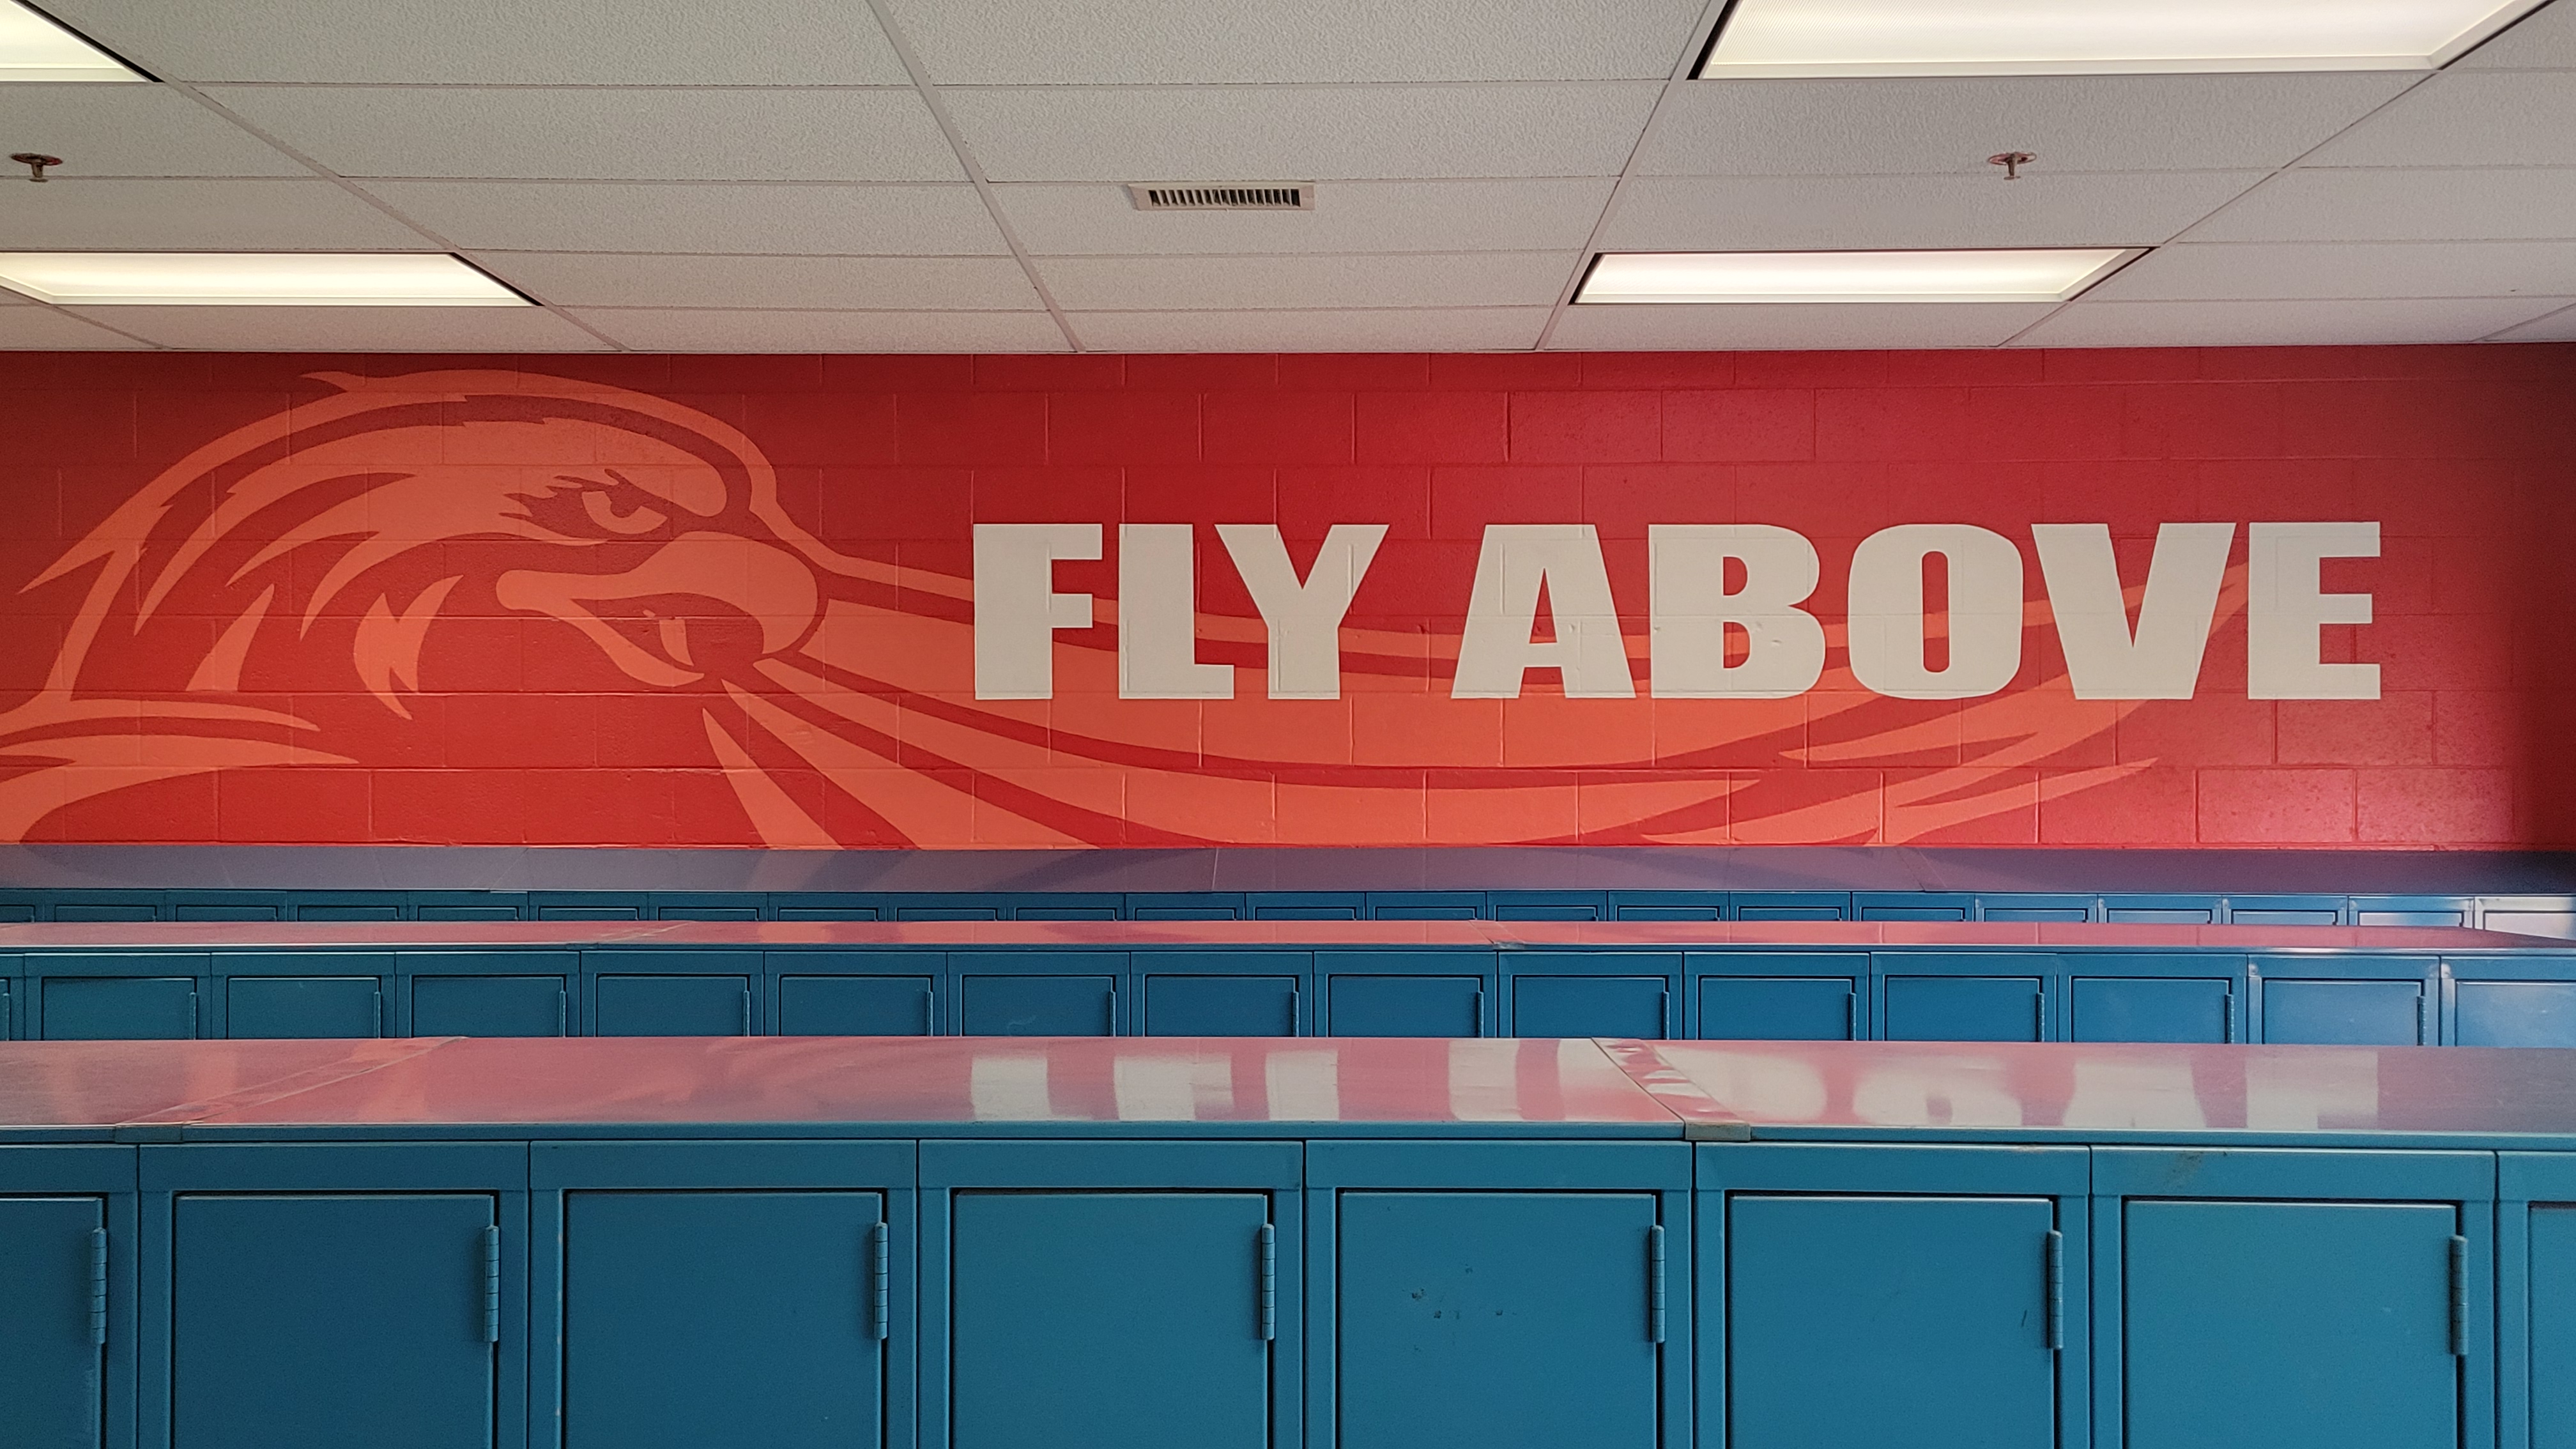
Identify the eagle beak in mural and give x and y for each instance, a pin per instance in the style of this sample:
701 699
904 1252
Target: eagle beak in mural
703 604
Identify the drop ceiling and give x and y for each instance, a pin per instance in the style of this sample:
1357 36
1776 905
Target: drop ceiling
949 175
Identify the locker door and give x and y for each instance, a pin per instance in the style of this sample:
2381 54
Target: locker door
704 1318
1220 1006
1776 1008
1920 1321
52 1321
1108 1320
854 1006
1408 1005
1040 1005
2553 1326
2516 1013
307 1321
2288 1325
2344 1013
2150 1008
120 1008
1476 1319
673 1006
1962 1008
487 1006
302 1006
1631 1006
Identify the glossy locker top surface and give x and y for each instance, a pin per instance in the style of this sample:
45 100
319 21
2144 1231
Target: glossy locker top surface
2059 1091
939 1082
1126 935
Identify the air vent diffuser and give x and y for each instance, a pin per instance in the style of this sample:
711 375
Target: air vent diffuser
1224 196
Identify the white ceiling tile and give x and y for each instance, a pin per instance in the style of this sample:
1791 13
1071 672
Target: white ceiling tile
569 216
1307 283
1531 214
1792 326
42 329
605 134
200 215
1952 124
350 329
2559 326
1752 213
2421 204
2281 324
501 42
664 330
1471 329
2543 40
131 130
597 279
2468 118
1302 133
1205 42
2254 271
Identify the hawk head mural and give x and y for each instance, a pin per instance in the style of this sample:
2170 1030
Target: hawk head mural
340 587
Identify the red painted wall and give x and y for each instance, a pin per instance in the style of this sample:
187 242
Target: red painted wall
730 601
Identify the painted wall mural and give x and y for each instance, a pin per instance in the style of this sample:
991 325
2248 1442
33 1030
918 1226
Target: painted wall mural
2170 598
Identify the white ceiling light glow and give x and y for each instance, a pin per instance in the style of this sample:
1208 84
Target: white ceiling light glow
34 48
251 279
2096 37
1984 276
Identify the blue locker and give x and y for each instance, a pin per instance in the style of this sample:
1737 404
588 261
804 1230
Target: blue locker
468 913
2515 1013
333 911
2288 1325
1065 913
2552 1246
224 911
672 1005
1030 1005
2021 906
2285 910
703 1318
1913 906
1457 1329
1548 905
1109 1320
1963 1008
1921 1321
1629 1006
14 912
948 913
1777 1008
332 1320
2343 1013
106 911
52 1322
830 911
1407 1005
1426 905
1305 906
1223 1005
855 1006
2150 1008
303 1006
497 1005
112 1008
690 912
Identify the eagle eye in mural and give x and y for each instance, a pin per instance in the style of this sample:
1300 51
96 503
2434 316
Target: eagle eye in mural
367 581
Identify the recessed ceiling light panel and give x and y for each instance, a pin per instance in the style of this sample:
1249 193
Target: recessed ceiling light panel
252 279
34 48
1983 276
2096 37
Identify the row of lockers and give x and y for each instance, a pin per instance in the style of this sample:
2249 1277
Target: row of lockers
1996 994
1250 1295
2535 915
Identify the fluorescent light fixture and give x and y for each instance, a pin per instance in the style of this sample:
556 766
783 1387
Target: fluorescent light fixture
1995 276
34 48
2096 37
252 279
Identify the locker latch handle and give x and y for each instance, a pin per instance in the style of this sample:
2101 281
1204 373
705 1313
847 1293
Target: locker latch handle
2459 1297
1269 1282
2056 1290
491 1285
1655 1283
97 1287
879 1292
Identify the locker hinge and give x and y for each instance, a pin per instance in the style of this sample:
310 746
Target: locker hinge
97 1287
1269 1282
491 1285
2459 1297
880 1294
2056 1290
1655 1283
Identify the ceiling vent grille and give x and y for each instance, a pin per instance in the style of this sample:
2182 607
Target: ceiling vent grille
1267 196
